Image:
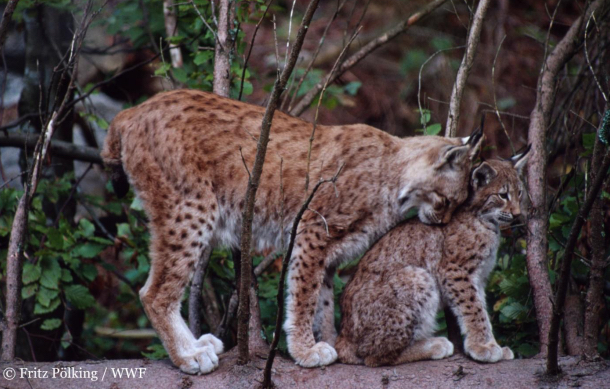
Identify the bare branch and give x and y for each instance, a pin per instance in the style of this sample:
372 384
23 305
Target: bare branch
56 147
363 52
195 292
222 56
171 29
474 37
253 183
243 72
6 20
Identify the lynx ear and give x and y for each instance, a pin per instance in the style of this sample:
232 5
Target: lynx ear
482 175
454 156
457 155
520 160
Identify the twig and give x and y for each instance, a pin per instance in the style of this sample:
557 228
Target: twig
421 68
280 294
363 52
6 20
311 62
243 72
315 121
589 61
474 37
493 89
195 293
205 23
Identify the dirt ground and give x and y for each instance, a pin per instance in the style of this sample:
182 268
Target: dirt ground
455 372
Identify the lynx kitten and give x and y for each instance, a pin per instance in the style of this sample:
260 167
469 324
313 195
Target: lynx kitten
389 306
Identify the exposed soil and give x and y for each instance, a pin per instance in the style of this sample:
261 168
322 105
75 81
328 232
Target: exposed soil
455 372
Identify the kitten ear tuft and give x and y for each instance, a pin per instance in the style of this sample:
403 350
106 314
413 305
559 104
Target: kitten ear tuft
520 160
482 175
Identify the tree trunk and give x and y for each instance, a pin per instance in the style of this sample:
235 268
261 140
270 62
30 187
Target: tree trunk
595 300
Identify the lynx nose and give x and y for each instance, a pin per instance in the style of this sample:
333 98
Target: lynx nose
446 217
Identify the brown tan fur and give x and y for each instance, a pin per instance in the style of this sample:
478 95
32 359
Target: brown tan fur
390 305
184 152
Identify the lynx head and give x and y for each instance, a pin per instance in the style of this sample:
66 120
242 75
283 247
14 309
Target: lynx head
497 189
438 181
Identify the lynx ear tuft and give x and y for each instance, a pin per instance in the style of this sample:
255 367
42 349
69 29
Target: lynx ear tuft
482 175
520 160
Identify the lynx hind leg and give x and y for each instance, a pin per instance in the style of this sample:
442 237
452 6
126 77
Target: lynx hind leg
180 229
404 315
347 351
431 348
305 278
324 322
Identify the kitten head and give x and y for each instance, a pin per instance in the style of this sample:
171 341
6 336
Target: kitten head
438 181
497 190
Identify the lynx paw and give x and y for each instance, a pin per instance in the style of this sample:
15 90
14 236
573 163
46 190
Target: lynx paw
489 352
441 348
321 354
210 340
507 353
202 360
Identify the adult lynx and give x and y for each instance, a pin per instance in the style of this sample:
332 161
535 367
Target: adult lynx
184 151
389 307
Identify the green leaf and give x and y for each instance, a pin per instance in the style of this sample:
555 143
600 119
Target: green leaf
88 250
31 273
433 129
588 140
51 272
41 310
157 352
89 271
425 116
55 239
203 57
557 220
79 296
45 296
506 103
86 227
514 310
28 291
50 324
352 87
66 276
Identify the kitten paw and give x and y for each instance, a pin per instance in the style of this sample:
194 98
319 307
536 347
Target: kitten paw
507 353
202 360
489 352
210 340
441 348
321 354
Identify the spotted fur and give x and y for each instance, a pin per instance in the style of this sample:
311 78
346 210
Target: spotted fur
185 153
390 305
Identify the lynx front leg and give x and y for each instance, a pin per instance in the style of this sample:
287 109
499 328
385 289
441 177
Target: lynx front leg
305 278
324 322
466 303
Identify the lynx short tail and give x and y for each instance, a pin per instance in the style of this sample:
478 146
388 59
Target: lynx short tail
111 154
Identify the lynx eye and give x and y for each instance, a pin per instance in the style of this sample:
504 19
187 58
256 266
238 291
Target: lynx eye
503 196
520 193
